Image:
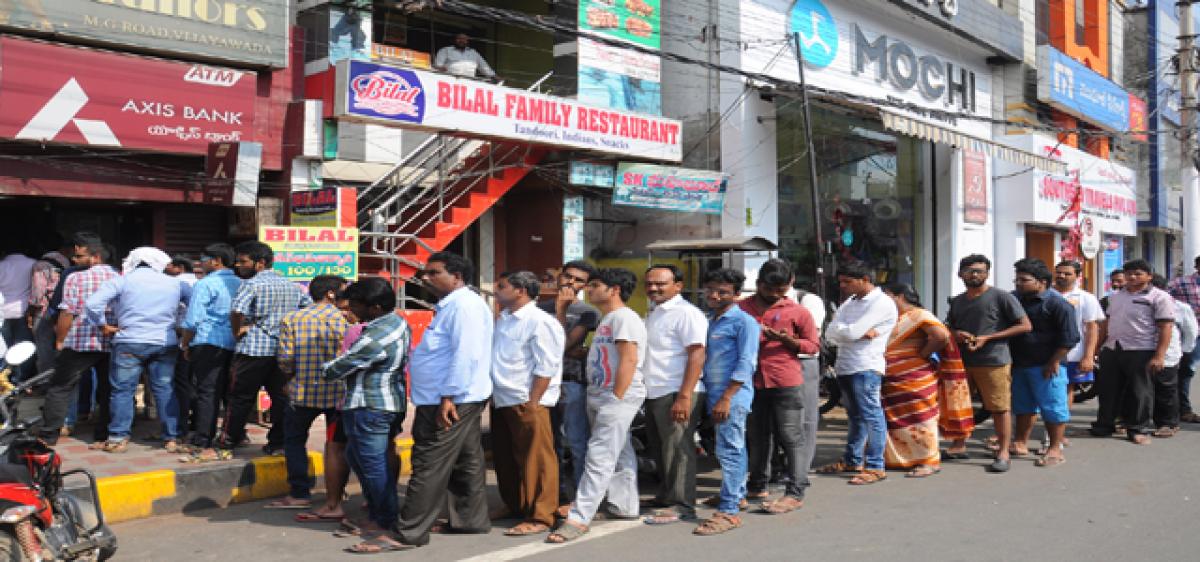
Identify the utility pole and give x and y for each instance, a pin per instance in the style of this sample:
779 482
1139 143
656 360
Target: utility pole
812 171
1187 103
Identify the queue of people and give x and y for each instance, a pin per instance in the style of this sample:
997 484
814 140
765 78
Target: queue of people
562 379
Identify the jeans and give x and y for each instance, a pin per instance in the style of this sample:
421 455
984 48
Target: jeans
1166 397
1187 369
247 374
367 434
296 424
575 428
867 424
69 367
1125 390
610 468
128 362
785 418
208 376
731 454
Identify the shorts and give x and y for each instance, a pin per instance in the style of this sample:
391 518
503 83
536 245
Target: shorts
995 386
1033 393
333 428
1074 376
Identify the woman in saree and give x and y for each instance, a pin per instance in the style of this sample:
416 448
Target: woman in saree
923 393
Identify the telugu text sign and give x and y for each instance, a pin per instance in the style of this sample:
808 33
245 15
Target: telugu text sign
302 253
428 100
670 189
108 99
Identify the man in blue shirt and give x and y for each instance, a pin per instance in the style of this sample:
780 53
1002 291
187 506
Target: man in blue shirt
207 343
1039 375
451 382
254 316
730 358
145 303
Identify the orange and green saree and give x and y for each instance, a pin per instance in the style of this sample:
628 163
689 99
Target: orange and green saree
921 397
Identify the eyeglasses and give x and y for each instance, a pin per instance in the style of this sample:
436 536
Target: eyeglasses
972 272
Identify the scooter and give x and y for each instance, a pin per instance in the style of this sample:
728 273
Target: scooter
39 520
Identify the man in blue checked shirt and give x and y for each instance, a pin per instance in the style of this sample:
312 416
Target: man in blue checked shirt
373 372
254 317
451 382
730 358
207 343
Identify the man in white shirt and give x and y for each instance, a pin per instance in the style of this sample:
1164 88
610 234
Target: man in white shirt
860 328
1081 360
16 283
616 389
1166 382
527 360
460 59
677 332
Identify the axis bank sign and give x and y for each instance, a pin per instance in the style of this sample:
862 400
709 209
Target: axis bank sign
428 100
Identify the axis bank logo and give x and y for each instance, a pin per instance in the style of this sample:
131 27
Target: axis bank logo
389 93
62 109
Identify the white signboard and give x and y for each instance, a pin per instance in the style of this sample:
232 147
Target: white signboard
861 47
1109 190
427 100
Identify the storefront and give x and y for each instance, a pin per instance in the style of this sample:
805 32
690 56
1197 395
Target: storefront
1035 210
903 94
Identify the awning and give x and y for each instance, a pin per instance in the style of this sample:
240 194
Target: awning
916 128
738 243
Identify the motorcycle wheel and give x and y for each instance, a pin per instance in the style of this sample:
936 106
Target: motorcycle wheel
831 393
10 549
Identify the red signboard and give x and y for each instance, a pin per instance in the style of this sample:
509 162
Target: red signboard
1139 119
73 95
975 200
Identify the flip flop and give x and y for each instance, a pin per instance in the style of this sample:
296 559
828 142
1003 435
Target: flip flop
954 456
347 528
378 544
922 472
663 517
283 504
530 528
314 517
1050 462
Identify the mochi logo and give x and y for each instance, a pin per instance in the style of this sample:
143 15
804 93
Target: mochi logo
814 24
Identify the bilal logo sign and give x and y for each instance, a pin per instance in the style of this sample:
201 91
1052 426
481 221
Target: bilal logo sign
61 109
386 92
818 32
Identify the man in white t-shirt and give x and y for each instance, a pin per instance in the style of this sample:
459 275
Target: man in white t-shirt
677 332
527 363
1081 360
616 389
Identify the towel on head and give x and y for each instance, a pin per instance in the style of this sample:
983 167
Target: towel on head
153 257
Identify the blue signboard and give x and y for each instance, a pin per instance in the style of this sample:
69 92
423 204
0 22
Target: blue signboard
1164 27
1071 87
384 92
1114 258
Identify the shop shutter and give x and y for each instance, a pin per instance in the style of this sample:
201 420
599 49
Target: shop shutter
189 228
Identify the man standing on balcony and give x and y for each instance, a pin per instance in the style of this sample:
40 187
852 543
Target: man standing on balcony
460 59
451 382
677 332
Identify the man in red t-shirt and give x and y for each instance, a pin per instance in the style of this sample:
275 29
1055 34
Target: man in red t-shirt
785 408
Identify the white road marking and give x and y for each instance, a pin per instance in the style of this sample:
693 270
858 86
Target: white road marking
534 548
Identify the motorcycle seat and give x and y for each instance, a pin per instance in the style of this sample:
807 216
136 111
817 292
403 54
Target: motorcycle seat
10 472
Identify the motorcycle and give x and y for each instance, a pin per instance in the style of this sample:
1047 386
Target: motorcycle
39 520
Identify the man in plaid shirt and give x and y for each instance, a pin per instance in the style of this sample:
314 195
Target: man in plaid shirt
1186 289
81 346
373 372
257 308
308 339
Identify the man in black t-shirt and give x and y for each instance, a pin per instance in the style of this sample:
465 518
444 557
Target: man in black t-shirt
982 319
569 420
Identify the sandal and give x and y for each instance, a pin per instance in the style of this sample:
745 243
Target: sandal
786 504
566 532
175 447
664 517
923 471
868 477
1190 417
377 544
1014 452
200 457
289 503
948 455
527 528
1165 432
116 447
719 523
1049 462
835 468
314 517
1139 439
347 528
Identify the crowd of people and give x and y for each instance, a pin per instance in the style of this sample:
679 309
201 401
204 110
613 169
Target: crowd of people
562 379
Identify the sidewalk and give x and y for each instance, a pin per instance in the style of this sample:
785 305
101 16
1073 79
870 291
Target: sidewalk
146 481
